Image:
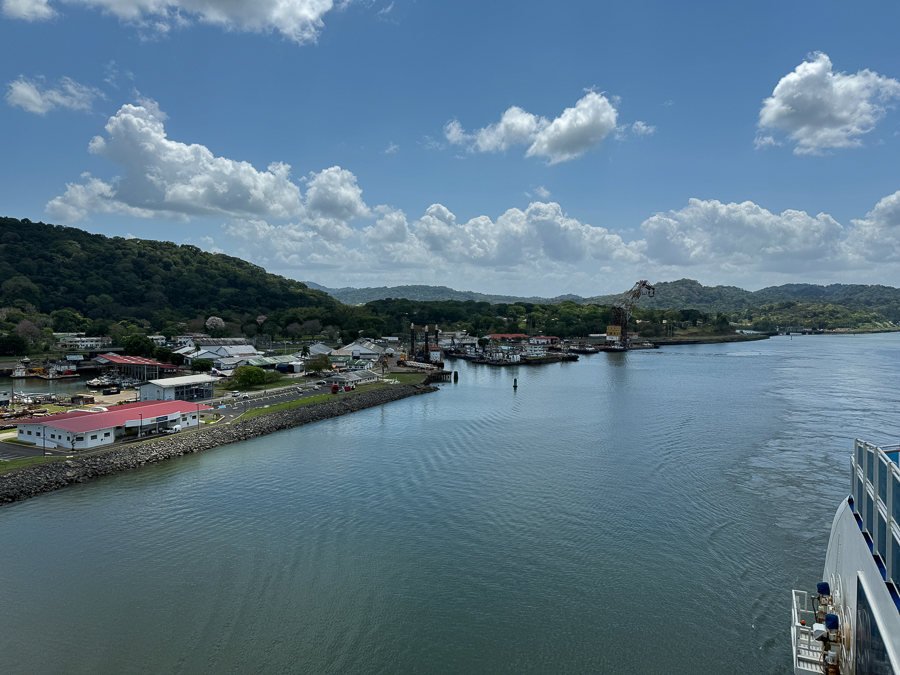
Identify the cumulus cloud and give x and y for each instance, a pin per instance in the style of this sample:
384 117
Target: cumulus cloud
298 20
333 199
877 236
540 232
33 96
708 239
821 109
713 233
168 177
29 10
577 130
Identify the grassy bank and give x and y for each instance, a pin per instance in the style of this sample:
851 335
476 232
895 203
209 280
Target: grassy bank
26 462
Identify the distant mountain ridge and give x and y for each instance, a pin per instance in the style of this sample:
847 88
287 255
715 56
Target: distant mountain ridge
680 294
355 296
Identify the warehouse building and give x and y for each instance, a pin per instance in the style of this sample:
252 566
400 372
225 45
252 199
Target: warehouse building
88 429
187 388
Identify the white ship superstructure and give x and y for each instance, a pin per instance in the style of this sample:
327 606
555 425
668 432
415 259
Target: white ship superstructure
851 625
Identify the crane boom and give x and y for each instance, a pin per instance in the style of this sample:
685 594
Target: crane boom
623 309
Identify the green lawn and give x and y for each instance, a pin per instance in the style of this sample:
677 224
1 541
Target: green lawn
405 378
26 461
287 405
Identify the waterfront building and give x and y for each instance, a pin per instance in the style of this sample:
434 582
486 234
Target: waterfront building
187 388
87 429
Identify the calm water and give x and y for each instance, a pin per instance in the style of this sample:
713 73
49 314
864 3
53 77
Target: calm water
639 513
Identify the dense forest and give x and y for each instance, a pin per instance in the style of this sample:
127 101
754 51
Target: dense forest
53 267
61 279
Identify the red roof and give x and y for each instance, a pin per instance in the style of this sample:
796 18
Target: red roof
81 421
132 360
507 336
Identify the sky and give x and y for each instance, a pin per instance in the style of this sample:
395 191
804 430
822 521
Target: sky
508 147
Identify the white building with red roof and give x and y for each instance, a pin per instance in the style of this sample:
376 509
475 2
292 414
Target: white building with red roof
88 429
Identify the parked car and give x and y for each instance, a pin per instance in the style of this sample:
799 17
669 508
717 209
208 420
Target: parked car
174 430
246 396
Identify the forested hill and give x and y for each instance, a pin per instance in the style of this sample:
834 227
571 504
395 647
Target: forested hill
687 293
421 293
681 294
54 267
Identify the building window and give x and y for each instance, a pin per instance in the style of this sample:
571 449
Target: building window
94 437
79 438
37 433
29 433
106 435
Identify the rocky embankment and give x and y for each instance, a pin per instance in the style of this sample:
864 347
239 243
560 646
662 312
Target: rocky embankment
21 484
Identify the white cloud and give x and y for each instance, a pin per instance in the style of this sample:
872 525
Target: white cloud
33 96
298 20
570 135
540 232
820 109
169 178
717 234
641 129
877 236
29 10
333 199
391 148
542 192
714 241
95 196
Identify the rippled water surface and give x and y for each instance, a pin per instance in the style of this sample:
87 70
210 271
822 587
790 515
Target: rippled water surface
647 512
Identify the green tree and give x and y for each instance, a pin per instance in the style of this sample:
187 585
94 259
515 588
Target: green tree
67 321
138 345
245 377
162 354
13 344
319 363
201 365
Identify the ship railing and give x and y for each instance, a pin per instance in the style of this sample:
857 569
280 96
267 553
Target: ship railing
807 651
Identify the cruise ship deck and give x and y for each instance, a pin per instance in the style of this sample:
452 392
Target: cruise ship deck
851 626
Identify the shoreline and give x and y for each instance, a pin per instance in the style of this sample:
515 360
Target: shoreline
27 482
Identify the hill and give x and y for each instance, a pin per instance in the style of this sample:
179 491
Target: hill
52 267
422 293
687 293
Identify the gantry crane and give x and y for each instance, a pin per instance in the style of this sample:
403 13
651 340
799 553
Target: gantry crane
622 310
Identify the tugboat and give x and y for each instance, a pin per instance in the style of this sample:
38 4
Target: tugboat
20 371
851 624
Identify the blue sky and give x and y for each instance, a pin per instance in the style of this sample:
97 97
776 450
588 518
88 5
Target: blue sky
508 147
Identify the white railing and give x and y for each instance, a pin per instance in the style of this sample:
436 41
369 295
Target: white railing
807 651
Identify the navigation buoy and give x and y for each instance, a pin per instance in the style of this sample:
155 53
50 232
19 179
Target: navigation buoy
456 376
515 383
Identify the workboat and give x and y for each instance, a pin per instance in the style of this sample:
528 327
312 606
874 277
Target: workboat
851 624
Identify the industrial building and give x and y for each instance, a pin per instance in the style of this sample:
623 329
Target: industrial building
88 429
187 388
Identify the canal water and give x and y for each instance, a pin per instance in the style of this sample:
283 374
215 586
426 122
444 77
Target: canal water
647 512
